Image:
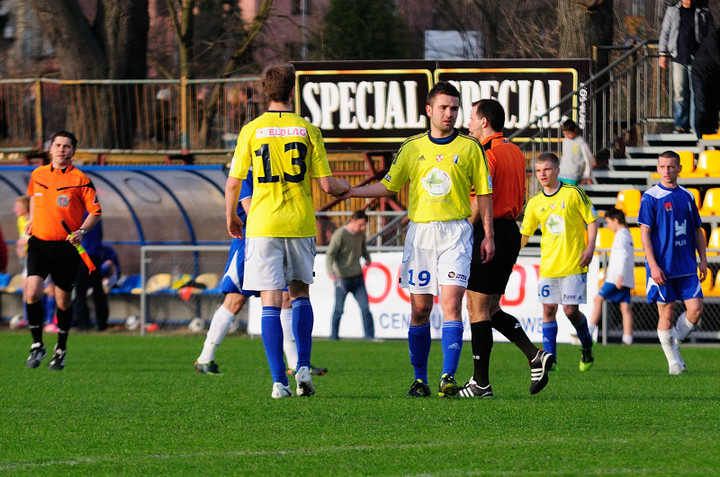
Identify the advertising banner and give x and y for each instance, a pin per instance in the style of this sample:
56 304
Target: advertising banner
390 304
376 105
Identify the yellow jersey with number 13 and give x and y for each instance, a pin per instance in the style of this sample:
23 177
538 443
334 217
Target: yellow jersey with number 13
285 151
562 218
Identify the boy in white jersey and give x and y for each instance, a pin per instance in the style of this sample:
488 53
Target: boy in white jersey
671 232
620 276
285 151
563 212
442 165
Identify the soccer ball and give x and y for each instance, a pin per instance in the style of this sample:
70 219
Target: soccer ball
196 325
18 321
132 323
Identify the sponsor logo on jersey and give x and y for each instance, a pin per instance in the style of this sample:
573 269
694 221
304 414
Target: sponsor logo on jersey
292 131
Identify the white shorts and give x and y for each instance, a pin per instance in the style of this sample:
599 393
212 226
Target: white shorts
436 253
271 263
569 290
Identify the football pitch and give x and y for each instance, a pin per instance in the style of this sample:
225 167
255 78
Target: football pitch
126 405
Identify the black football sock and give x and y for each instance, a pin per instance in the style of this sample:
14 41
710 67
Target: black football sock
482 343
64 321
35 320
511 328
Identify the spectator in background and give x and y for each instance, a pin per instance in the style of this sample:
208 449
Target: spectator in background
92 243
110 267
3 254
619 277
21 208
706 84
577 161
347 246
683 29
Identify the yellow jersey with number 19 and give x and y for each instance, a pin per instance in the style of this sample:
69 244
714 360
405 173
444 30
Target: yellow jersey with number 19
285 151
562 218
441 173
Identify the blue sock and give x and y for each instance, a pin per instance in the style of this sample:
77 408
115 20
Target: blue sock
549 330
49 306
272 336
303 320
583 333
419 343
452 332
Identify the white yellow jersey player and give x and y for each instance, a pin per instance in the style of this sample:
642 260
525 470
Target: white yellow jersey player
285 151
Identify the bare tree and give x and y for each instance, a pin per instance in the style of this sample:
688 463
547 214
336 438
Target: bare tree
113 46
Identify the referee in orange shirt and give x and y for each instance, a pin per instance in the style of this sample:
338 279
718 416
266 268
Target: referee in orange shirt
487 282
58 192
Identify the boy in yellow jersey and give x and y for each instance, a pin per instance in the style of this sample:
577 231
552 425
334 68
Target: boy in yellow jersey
563 212
442 165
285 151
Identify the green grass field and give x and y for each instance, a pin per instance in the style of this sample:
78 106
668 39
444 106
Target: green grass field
126 405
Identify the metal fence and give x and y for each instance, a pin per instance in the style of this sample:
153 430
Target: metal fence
626 98
128 116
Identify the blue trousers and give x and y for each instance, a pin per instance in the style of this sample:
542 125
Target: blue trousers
356 286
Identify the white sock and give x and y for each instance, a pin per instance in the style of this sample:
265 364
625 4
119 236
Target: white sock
221 321
627 339
591 329
666 341
683 327
286 317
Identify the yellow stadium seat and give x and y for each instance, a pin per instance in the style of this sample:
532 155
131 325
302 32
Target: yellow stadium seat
715 290
714 242
707 284
601 276
696 193
155 283
637 242
15 284
640 279
709 163
628 200
711 202
604 238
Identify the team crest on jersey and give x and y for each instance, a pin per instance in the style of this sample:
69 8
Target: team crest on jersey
555 224
668 207
456 158
437 182
439 157
63 200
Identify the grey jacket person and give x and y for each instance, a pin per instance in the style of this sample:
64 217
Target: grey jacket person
671 28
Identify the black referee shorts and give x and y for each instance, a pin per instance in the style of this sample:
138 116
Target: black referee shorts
491 278
57 258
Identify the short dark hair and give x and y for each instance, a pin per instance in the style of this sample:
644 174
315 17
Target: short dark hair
359 215
493 111
548 157
278 82
442 87
569 125
671 155
616 214
67 134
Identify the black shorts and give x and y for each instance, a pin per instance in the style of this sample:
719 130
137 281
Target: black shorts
491 278
57 258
